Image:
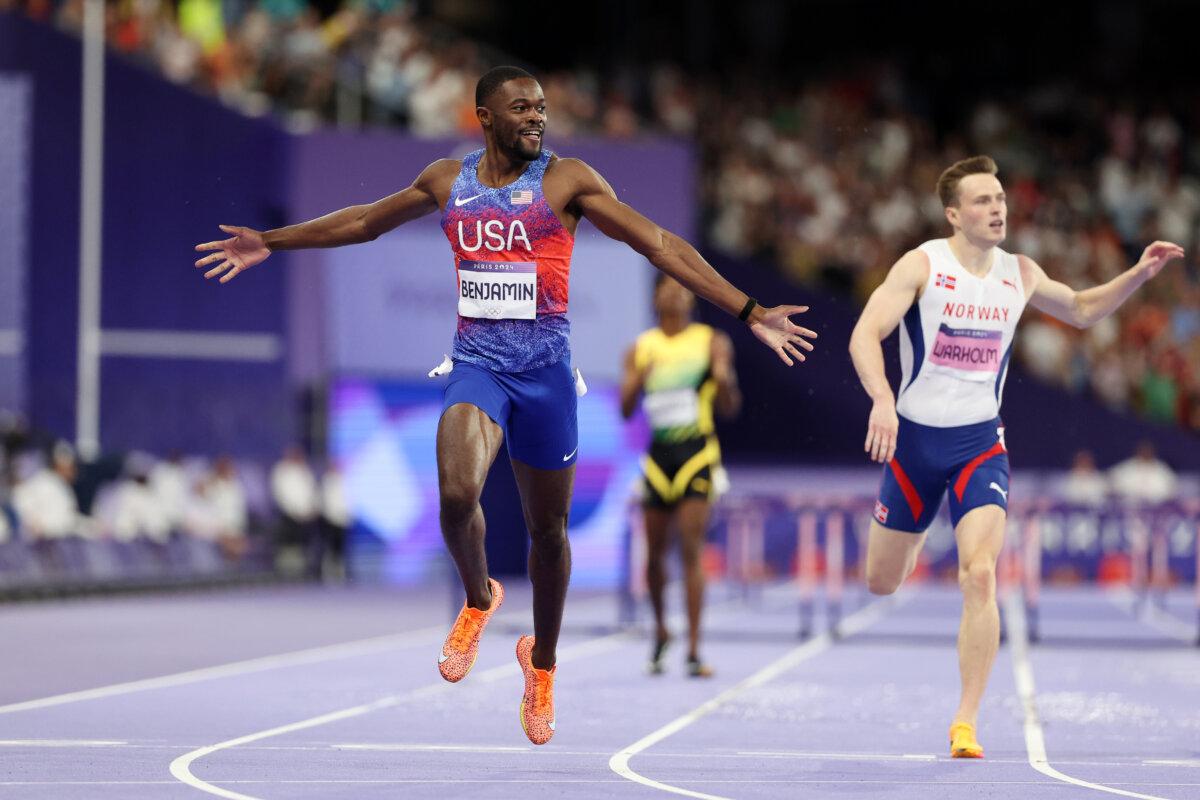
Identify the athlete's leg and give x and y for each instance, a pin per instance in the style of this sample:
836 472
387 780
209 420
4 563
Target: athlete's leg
546 500
980 536
467 443
658 521
693 526
891 557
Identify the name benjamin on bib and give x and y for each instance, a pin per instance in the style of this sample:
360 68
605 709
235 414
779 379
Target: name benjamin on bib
497 289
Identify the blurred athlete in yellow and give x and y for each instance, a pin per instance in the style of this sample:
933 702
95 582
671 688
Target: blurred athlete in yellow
683 369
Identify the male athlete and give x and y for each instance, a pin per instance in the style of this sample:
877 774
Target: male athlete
683 369
959 299
510 212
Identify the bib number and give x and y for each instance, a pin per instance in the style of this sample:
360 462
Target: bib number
969 353
497 289
672 408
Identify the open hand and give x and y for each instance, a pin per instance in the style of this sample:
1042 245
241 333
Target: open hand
1155 257
237 254
777 332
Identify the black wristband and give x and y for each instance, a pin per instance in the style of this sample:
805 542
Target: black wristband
746 309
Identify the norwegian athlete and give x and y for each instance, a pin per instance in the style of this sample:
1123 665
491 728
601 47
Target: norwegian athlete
682 370
510 212
959 299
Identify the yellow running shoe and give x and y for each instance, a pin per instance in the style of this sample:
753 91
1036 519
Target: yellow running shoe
962 741
537 706
462 645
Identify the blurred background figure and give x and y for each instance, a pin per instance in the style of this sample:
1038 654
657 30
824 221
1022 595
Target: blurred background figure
45 501
1143 478
295 494
170 483
1084 485
228 503
335 524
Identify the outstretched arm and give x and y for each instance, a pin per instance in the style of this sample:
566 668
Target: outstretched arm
362 223
596 200
884 310
1087 307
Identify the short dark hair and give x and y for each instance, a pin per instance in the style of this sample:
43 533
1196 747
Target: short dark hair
947 185
493 79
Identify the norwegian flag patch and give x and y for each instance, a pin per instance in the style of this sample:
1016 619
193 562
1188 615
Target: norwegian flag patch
944 281
881 512
521 197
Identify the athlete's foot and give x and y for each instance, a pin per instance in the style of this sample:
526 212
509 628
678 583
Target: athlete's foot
962 741
698 669
656 665
462 645
537 706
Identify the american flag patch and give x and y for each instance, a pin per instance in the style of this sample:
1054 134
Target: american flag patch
944 280
521 197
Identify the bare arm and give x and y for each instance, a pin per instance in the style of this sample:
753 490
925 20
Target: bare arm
360 223
596 200
632 382
728 400
884 310
1087 307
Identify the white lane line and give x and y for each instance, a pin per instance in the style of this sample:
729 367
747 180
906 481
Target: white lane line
1180 762
360 647
1035 739
181 766
619 763
840 756
1162 621
60 743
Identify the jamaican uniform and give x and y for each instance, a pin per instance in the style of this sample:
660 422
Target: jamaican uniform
684 457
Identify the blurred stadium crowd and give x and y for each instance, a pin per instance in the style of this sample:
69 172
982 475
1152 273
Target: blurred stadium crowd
74 524
830 181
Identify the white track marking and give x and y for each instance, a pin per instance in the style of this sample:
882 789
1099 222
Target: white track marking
312 655
60 743
181 767
1035 740
432 748
619 763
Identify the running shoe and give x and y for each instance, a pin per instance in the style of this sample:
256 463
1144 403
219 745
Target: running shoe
462 645
537 706
698 669
962 741
656 665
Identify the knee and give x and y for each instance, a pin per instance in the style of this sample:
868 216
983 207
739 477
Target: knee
978 579
459 498
548 537
882 584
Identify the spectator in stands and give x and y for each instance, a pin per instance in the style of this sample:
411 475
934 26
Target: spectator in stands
44 501
335 523
227 501
294 491
1142 478
138 511
1084 485
169 481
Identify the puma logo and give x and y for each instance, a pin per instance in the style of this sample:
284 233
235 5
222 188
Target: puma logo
996 486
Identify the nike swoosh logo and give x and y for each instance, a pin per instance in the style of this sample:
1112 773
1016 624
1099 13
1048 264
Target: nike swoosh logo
462 201
994 485
551 724
567 457
443 658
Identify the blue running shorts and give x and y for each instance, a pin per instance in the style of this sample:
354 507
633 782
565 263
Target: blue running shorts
536 409
970 460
